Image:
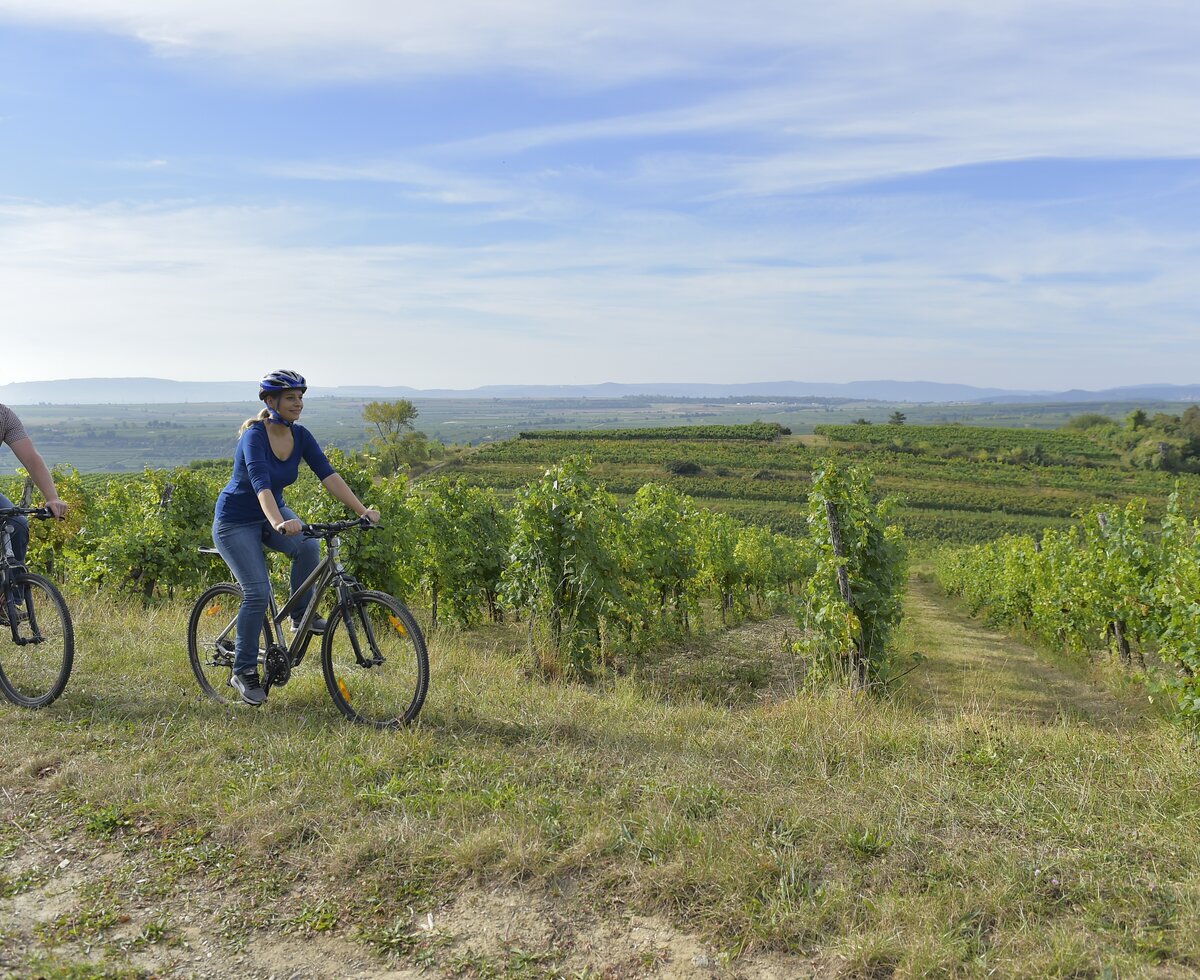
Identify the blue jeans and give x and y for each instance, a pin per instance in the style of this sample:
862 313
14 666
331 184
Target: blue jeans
241 545
20 536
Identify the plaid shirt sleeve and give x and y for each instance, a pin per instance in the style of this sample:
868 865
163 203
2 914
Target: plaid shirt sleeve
11 429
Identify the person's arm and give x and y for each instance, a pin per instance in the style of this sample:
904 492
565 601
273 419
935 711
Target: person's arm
35 466
330 479
266 500
339 490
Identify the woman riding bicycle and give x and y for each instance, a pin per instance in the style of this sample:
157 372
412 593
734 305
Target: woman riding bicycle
251 513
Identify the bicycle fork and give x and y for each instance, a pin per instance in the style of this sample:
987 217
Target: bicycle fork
358 629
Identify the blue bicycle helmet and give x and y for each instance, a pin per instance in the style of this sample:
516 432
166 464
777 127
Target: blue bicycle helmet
279 381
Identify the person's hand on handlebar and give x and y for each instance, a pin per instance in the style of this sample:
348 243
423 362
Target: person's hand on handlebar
292 526
371 514
57 507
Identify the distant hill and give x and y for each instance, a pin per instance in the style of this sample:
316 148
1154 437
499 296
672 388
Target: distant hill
108 391
1133 394
126 391
101 391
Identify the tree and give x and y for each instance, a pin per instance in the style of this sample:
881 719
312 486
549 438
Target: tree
390 418
897 418
1088 420
395 445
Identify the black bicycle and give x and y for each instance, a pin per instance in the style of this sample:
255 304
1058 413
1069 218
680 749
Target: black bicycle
37 640
373 653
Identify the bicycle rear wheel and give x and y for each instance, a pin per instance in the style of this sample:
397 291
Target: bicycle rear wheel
211 634
35 667
374 660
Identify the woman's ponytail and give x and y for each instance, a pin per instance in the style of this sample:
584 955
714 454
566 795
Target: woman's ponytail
260 417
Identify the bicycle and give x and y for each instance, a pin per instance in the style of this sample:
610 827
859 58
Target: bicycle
373 654
36 665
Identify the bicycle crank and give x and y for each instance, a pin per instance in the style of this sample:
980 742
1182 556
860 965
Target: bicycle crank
277 668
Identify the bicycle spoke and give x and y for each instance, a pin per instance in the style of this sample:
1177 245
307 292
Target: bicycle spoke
212 633
35 667
375 663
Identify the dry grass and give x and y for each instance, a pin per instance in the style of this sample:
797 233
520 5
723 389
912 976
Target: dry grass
983 821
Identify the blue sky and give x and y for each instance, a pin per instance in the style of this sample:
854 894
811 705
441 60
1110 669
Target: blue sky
465 193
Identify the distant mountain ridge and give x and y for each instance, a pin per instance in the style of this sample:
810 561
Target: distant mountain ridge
101 391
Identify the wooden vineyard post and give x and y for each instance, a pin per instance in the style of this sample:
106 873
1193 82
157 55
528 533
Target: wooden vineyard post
858 663
1116 628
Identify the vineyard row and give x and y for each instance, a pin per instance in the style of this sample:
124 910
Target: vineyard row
594 577
1115 581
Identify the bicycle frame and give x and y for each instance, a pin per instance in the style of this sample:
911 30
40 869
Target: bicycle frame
329 572
10 568
8 561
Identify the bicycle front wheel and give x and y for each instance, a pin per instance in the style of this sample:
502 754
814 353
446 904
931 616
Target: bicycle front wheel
35 667
374 659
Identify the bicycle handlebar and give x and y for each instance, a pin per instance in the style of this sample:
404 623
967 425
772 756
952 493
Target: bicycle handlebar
41 513
337 527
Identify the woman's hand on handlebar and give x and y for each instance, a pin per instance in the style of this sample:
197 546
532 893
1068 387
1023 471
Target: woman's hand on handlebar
292 526
371 514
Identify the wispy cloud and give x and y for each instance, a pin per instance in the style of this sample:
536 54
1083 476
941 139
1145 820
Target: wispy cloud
809 98
873 89
580 308
611 192
627 39
429 182
151 164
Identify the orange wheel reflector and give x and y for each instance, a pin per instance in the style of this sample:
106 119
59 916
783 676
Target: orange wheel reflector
212 610
342 688
398 626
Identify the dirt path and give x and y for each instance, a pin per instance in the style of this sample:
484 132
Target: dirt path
971 667
511 932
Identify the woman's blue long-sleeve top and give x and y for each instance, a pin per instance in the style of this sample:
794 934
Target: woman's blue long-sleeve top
257 468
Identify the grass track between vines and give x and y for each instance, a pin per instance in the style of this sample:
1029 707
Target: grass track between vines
974 669
975 825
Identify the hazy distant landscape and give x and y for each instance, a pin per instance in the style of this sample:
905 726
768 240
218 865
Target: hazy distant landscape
89 391
122 437
113 425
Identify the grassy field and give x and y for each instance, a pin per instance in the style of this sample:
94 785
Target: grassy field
690 816
998 816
